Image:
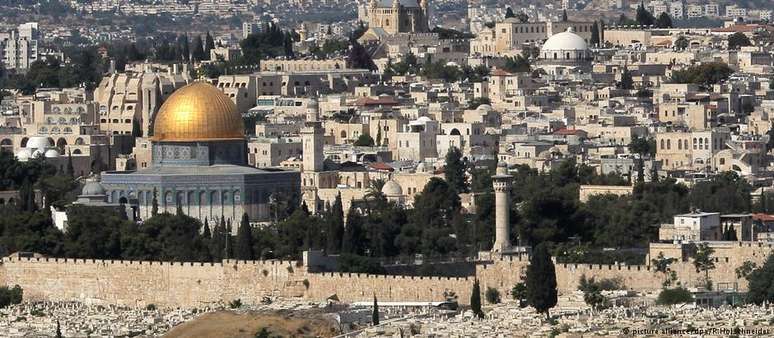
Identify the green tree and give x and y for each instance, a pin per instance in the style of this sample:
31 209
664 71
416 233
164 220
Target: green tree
10 296
27 197
375 314
364 140
664 21
661 265
244 240
93 232
704 74
682 42
674 296
745 269
209 44
509 13
155 203
359 57
523 17
70 168
738 40
136 129
564 15
454 170
475 300
517 64
353 240
627 82
644 17
596 38
761 283
704 262
519 293
492 295
334 219
541 281
197 54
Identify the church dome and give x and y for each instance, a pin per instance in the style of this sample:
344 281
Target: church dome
565 41
392 188
198 112
93 188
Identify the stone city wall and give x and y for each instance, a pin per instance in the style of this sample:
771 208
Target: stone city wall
138 283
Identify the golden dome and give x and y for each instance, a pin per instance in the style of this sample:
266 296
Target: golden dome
198 112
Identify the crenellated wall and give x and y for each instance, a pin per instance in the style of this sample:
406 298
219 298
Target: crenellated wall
138 283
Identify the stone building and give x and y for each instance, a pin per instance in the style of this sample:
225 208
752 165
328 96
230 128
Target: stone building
126 97
388 17
199 164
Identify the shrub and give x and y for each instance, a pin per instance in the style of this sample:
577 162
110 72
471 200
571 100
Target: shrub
306 283
519 292
674 296
9 296
235 304
150 307
492 295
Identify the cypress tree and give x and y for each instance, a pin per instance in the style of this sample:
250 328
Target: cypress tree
228 245
564 15
352 241
595 40
335 229
375 314
206 233
244 240
209 44
379 131
155 203
454 171
70 168
475 300
136 129
27 196
197 54
58 330
216 243
541 281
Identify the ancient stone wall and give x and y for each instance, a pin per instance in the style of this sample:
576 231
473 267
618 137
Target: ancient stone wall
138 283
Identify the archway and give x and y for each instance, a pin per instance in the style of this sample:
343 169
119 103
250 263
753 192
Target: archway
61 143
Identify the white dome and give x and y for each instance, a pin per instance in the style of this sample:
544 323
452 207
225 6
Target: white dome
38 142
392 188
93 188
484 107
565 41
23 155
51 153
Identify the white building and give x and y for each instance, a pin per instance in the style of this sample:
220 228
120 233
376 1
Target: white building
676 10
734 12
19 47
712 10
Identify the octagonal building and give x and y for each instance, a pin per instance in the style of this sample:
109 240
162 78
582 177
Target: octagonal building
199 162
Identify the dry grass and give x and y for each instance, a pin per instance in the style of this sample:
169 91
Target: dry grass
228 324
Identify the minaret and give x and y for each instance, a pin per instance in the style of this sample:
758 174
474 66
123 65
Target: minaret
312 138
501 182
